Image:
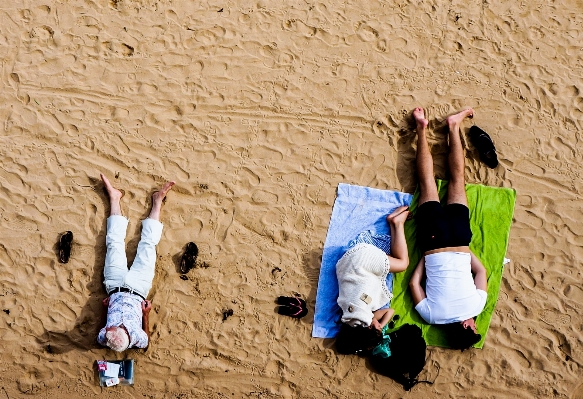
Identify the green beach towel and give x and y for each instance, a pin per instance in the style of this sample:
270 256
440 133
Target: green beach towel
491 212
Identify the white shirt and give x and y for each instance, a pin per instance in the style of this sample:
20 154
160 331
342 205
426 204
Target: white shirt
362 274
451 293
125 308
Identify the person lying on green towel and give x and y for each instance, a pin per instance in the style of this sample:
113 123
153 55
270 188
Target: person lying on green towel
452 297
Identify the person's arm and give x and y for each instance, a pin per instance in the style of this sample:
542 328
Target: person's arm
101 336
146 307
382 317
417 290
480 275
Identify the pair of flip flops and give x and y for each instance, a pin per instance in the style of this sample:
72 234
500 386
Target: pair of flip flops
292 306
485 146
189 256
65 243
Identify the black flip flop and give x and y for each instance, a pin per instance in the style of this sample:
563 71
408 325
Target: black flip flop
189 256
65 246
292 311
482 141
291 301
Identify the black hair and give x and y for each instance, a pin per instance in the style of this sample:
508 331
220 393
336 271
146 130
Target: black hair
356 340
459 337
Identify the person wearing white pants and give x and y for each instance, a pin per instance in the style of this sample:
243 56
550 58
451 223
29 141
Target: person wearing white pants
128 309
139 277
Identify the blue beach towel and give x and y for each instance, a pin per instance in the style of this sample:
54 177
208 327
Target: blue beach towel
359 215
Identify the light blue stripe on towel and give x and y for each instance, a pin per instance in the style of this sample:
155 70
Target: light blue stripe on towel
381 241
356 210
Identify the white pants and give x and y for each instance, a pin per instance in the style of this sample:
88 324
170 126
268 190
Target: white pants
139 277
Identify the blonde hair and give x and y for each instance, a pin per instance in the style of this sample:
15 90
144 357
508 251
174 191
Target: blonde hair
117 339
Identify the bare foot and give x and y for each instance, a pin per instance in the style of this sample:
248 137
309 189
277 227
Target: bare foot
456 120
399 215
114 194
419 115
159 196
157 199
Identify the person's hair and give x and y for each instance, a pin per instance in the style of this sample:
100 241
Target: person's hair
459 337
117 339
354 340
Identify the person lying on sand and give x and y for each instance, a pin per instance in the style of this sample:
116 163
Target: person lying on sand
127 307
363 292
452 297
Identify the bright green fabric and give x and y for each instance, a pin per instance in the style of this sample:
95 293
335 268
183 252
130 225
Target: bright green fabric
491 212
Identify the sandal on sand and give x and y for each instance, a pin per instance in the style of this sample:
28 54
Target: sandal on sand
485 146
188 260
292 311
291 301
292 306
65 246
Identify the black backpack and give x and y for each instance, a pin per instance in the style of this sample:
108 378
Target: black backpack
407 357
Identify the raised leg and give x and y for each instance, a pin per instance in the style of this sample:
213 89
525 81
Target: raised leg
456 192
427 184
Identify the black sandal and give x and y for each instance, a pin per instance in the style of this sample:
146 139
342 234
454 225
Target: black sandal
291 301
292 306
485 146
65 246
189 256
292 311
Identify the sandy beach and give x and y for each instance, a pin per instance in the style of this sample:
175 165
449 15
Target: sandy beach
258 110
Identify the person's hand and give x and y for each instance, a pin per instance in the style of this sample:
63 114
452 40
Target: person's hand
375 325
146 306
106 302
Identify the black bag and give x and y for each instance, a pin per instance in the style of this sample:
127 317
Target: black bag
407 357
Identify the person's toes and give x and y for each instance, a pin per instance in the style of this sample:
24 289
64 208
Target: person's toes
113 192
166 188
419 114
160 195
459 117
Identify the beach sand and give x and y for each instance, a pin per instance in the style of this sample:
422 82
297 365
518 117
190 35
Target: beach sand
258 109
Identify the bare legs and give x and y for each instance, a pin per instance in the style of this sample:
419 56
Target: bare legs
399 259
424 160
456 189
456 192
115 198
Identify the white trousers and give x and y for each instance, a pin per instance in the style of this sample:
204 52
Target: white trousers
139 277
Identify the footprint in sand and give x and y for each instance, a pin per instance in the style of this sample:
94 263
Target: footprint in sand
553 318
578 393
